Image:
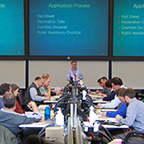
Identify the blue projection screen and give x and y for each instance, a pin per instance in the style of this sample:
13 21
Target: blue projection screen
128 32
68 27
12 28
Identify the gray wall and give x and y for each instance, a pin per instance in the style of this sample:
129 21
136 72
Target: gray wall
58 71
12 72
15 72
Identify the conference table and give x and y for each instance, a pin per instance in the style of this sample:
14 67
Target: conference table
46 123
100 119
96 99
54 101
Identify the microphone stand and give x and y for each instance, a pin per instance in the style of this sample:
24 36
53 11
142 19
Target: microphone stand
73 107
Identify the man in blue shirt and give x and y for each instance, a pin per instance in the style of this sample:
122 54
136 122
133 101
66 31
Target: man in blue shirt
134 117
74 73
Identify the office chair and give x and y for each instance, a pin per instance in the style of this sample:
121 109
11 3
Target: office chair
130 134
6 136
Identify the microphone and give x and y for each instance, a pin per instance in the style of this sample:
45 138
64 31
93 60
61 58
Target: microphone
71 79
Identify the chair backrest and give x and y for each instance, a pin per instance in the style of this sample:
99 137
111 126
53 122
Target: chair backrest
134 134
20 99
6 136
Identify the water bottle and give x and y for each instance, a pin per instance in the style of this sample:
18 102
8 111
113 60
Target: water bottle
59 118
92 116
84 94
47 112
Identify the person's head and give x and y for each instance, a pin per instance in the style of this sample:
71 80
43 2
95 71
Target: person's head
15 89
47 79
120 94
103 80
9 101
39 81
129 94
108 84
99 82
116 83
74 64
5 88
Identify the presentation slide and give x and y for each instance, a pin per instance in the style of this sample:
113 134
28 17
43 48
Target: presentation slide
68 27
128 32
12 28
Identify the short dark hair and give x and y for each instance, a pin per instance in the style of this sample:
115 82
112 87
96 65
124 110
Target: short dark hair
74 61
104 78
38 78
129 92
120 92
9 100
108 84
4 88
99 80
117 81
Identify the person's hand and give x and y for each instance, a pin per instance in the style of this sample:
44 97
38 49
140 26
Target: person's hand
78 79
32 105
99 94
92 93
117 117
103 95
104 114
97 91
58 92
47 98
49 87
99 105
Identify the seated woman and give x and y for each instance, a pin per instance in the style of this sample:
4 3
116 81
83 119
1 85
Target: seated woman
15 91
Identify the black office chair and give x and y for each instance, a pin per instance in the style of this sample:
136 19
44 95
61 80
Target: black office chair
130 134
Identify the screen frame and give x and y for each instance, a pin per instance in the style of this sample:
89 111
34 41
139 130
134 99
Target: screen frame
16 57
121 58
66 58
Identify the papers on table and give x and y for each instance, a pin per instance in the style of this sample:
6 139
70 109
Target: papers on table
112 110
95 96
103 118
36 124
99 101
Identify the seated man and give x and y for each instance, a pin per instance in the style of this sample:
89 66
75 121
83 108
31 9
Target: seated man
12 120
107 90
46 89
122 108
134 117
33 92
4 88
116 84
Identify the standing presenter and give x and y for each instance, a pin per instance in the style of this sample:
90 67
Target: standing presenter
74 73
